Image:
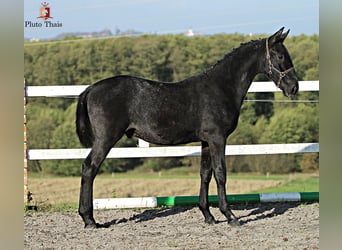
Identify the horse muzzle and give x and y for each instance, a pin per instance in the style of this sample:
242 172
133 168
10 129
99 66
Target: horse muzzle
290 88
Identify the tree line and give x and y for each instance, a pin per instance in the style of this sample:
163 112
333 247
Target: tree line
51 121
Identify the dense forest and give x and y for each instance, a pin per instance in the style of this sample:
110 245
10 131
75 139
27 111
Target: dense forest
272 119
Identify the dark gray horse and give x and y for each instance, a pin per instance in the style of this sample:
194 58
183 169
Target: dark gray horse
203 108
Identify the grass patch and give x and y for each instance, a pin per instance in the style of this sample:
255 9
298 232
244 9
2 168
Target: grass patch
308 184
64 207
255 176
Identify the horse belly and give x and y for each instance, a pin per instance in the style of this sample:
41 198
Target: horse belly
163 113
165 135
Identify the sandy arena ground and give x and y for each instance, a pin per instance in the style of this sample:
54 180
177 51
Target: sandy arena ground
264 226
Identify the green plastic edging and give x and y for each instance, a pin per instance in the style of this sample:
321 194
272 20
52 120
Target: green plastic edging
309 196
232 199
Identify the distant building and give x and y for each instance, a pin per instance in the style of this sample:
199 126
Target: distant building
89 35
34 40
191 33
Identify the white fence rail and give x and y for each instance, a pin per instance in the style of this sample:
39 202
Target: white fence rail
173 151
75 90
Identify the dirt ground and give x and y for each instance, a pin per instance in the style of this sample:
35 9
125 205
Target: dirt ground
264 226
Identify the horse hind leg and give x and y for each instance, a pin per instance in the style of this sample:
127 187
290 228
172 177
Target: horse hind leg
206 174
220 174
90 168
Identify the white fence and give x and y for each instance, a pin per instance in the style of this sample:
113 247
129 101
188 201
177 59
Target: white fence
75 90
173 151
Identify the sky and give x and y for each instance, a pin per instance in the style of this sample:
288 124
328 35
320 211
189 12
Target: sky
176 16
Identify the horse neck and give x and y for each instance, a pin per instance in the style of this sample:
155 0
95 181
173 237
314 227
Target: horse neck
237 69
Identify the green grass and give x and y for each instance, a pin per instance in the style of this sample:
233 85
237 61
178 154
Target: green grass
253 176
309 184
65 207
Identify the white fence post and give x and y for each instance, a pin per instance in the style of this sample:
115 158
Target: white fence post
143 144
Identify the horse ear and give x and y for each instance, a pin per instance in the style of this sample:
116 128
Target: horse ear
283 36
278 36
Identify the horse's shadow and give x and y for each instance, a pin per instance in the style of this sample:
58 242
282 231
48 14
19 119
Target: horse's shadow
262 211
258 211
152 214
148 215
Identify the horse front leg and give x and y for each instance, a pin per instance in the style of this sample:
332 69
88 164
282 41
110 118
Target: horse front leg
220 173
206 174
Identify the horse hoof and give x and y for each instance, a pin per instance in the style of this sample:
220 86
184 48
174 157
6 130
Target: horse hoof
234 223
210 221
89 226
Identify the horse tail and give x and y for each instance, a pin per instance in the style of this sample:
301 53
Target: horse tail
83 126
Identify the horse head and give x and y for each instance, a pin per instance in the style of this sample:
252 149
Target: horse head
278 64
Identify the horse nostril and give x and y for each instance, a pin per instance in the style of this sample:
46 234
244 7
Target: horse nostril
294 90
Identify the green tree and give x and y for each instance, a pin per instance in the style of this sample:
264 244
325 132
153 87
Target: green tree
64 137
310 162
292 126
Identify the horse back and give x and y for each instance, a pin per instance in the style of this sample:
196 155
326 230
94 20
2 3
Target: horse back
161 113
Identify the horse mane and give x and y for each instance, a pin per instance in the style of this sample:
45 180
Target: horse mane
230 55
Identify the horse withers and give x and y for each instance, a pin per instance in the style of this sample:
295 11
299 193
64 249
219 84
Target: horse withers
202 108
